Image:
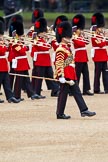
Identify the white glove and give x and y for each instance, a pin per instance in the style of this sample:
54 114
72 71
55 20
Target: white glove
62 80
71 82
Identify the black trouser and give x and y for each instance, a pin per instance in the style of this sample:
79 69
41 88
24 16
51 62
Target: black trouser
82 68
19 81
12 78
41 71
62 98
4 80
100 67
48 83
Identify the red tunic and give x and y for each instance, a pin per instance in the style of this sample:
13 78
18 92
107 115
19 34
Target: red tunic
11 53
3 59
40 53
80 50
20 55
68 71
100 52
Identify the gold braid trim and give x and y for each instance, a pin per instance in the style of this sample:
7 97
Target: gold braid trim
59 65
60 62
61 49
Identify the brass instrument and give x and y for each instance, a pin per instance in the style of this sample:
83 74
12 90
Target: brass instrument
76 37
93 34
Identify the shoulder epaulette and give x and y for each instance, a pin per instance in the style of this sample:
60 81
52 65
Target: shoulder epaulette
60 49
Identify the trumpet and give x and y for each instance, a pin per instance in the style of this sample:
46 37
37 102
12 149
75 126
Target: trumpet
47 35
98 36
23 41
84 39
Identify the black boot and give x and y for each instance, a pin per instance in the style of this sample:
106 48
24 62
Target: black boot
1 101
63 116
14 100
87 113
35 96
88 93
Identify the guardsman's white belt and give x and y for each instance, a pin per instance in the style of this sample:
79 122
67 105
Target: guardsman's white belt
15 60
40 52
95 48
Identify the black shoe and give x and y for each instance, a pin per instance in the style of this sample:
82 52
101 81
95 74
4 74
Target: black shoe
14 100
63 116
35 96
1 101
98 92
42 97
88 93
21 99
87 113
106 92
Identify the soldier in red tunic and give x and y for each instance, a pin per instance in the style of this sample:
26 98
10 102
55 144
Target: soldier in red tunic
12 27
99 53
37 13
81 57
42 59
20 64
4 76
65 71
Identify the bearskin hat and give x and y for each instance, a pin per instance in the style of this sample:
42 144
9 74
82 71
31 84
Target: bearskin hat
2 27
64 29
16 18
79 21
40 25
37 13
58 20
98 19
18 26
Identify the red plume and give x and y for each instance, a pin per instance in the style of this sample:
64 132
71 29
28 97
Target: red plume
35 13
76 20
37 24
60 30
58 21
93 19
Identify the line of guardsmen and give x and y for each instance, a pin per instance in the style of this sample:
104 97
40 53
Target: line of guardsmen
16 45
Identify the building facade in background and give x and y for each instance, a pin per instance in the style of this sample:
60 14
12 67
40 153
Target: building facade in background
62 5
